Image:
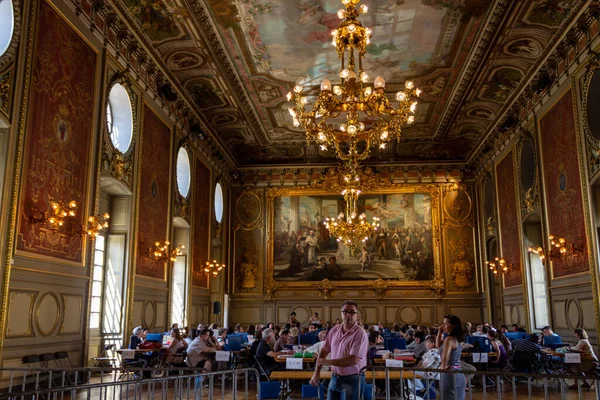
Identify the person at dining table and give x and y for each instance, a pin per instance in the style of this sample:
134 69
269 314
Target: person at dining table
316 348
375 339
431 360
315 320
171 354
589 361
283 340
265 355
200 354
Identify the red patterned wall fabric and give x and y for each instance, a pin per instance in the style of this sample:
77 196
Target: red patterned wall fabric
202 202
153 208
58 135
560 166
509 224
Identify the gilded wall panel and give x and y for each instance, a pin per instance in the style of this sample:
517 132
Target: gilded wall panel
72 305
248 260
20 313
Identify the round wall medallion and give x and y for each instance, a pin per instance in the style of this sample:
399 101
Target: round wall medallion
149 315
574 314
409 315
457 205
47 314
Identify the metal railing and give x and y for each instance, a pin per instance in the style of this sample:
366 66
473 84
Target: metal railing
115 383
186 383
399 384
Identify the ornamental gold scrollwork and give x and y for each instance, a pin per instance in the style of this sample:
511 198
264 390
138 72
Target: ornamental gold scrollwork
182 207
457 205
247 273
325 288
248 209
438 286
270 288
379 288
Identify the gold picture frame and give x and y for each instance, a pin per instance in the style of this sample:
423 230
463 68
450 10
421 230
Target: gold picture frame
437 284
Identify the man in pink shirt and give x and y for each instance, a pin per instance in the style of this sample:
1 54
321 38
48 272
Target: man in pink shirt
347 345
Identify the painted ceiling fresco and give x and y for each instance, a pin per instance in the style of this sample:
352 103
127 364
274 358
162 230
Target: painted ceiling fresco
235 60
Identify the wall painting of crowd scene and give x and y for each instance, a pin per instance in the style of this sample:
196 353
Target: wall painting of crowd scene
402 249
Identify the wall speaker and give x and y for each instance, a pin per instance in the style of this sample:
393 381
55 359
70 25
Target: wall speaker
216 307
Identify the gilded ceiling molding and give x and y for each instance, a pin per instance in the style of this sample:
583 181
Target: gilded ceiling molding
142 62
205 25
469 72
566 55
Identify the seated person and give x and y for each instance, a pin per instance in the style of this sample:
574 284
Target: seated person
418 346
500 361
431 360
136 338
266 356
178 343
547 331
221 338
526 353
254 346
315 320
312 328
200 354
479 331
316 348
589 361
515 328
283 340
293 338
408 336
374 340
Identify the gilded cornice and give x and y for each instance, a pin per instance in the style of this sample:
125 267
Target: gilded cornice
526 98
114 23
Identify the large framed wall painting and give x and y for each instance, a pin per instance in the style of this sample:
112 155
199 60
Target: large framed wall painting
404 250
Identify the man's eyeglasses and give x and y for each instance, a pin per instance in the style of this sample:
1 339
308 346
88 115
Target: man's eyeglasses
351 312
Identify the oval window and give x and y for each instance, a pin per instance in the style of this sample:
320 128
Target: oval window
119 118
7 24
183 172
218 203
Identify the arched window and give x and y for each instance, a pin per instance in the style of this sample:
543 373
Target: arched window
183 172
218 203
7 24
119 118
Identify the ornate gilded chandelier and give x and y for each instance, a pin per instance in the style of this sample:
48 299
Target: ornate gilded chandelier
160 251
353 116
351 229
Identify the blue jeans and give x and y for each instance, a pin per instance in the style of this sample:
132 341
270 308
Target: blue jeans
344 384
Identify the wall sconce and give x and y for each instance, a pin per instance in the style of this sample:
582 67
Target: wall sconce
95 224
213 267
160 251
559 248
499 265
56 215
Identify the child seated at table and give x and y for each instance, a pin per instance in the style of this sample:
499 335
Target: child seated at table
431 360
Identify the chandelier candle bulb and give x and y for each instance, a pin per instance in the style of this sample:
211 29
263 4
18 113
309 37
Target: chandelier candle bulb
326 85
379 82
341 14
409 84
364 9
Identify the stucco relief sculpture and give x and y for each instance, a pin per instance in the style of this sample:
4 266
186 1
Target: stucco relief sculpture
462 271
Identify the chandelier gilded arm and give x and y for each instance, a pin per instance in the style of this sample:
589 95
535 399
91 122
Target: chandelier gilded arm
353 116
